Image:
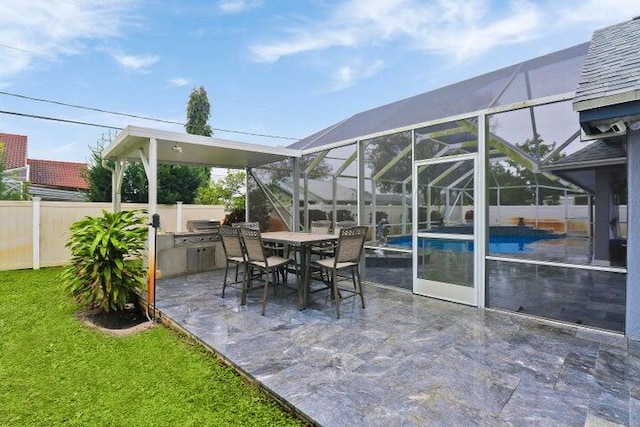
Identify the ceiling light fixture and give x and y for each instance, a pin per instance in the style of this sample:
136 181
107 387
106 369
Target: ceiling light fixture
176 148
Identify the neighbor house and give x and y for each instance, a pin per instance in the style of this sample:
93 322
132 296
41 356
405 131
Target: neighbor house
46 179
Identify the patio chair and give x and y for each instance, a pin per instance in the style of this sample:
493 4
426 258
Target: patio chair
233 251
252 225
348 256
343 224
257 258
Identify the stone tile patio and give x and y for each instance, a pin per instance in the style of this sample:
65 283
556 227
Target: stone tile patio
407 360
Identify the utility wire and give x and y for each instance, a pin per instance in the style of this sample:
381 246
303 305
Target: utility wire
57 119
116 113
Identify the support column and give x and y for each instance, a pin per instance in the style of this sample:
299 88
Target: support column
152 177
295 217
632 328
481 210
601 225
361 193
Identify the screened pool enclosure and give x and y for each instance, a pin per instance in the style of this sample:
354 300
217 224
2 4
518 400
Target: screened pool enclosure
471 195
484 192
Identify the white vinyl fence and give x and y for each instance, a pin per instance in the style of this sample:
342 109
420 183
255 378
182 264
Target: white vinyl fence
33 233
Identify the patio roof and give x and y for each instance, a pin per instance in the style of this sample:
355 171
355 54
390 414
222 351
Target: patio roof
183 148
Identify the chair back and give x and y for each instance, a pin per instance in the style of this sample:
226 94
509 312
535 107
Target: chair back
231 241
253 244
350 244
343 224
321 226
252 225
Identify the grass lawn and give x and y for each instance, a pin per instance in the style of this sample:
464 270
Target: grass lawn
55 371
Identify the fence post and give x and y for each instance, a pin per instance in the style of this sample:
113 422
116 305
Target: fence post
178 216
36 233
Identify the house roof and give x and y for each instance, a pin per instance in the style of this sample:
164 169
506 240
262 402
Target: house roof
52 173
532 79
15 147
611 72
598 153
580 167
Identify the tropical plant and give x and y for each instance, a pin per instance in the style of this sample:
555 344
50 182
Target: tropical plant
106 267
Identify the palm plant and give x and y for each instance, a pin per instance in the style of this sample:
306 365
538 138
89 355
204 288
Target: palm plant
106 267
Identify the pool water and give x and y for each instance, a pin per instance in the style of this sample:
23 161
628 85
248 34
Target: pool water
510 244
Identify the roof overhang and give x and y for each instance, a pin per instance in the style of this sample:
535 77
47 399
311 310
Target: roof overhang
183 148
608 120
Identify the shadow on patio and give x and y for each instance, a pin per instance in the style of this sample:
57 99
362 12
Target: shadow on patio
410 360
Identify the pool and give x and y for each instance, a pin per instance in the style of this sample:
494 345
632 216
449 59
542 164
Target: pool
498 243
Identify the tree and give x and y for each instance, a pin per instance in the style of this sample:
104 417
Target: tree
198 113
229 191
511 173
98 177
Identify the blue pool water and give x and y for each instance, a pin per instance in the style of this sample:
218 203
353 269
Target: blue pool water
497 243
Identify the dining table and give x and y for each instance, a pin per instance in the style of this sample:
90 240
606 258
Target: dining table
303 242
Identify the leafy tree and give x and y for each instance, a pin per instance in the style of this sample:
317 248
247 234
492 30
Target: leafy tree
198 113
98 177
510 173
175 183
228 191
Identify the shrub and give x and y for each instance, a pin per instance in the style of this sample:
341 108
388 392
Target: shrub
106 267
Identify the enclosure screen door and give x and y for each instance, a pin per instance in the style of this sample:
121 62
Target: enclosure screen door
444 228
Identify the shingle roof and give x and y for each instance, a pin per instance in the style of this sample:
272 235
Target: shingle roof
51 173
601 151
612 66
15 148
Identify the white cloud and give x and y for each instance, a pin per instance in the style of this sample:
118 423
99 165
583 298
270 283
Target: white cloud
237 6
135 62
48 29
179 82
461 28
599 11
348 75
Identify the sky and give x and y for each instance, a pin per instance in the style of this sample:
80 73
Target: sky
283 68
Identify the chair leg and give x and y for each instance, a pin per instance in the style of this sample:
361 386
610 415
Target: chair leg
237 265
336 294
266 290
224 282
360 286
245 284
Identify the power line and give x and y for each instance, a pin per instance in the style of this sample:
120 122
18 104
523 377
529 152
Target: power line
57 119
116 113
43 55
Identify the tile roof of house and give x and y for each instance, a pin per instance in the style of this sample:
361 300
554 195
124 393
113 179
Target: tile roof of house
15 147
52 173
612 65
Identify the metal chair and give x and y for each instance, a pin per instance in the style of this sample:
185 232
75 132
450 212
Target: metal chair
234 252
343 224
251 225
257 258
348 256
322 226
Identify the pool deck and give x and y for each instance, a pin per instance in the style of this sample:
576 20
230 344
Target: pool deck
408 360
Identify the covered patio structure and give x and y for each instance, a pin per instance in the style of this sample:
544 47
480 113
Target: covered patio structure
480 207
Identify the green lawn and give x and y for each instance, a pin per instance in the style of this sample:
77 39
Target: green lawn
55 371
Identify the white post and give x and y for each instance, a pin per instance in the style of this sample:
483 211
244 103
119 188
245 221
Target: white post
178 216
36 233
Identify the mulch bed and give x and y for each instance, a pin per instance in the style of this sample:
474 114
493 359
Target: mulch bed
125 322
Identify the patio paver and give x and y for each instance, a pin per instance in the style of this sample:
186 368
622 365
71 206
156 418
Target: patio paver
409 360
